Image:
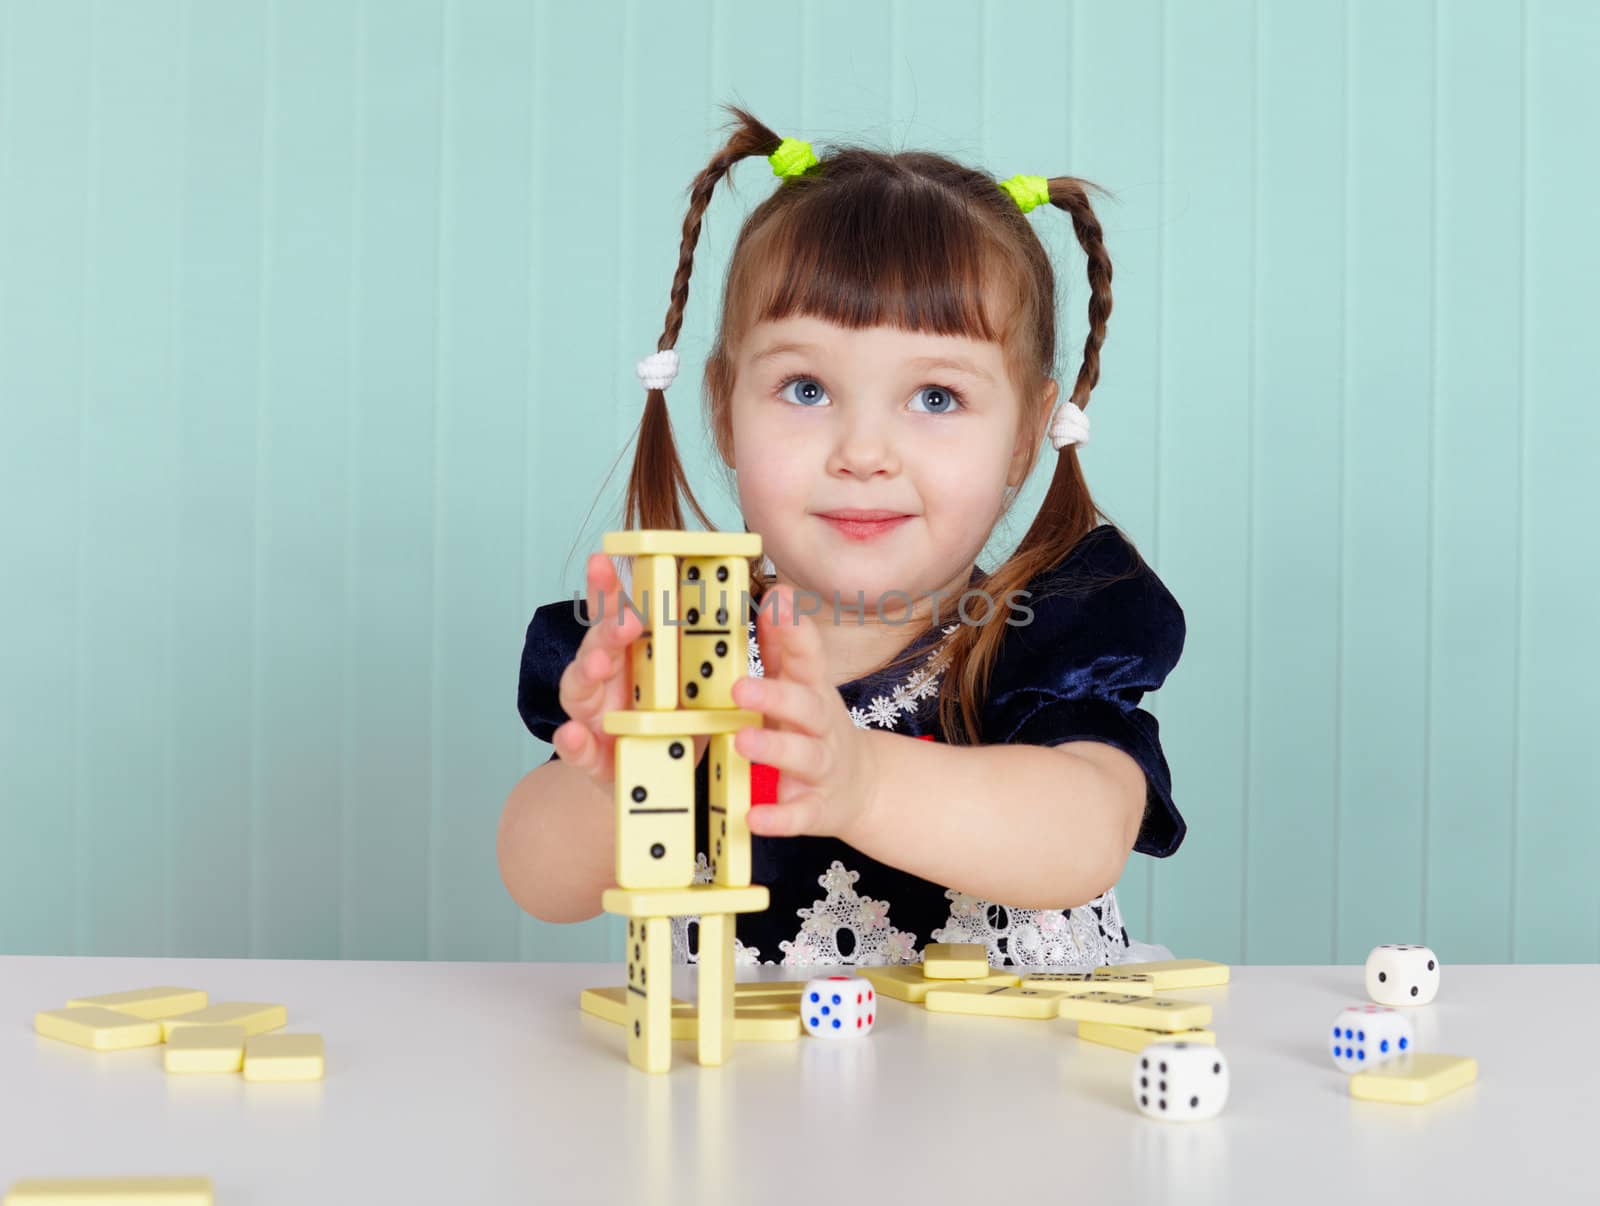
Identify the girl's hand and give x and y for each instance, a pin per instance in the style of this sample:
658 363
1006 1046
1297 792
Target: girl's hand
828 777
595 682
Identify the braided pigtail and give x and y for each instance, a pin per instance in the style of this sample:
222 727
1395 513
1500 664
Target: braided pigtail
657 485
1068 512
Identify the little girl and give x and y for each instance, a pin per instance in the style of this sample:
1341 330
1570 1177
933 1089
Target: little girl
880 386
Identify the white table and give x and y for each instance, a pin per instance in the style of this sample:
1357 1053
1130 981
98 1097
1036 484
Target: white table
467 1083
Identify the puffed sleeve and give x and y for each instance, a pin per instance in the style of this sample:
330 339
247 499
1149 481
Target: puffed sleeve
1103 631
553 637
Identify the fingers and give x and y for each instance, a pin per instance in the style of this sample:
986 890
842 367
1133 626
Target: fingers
581 747
791 818
791 646
582 688
784 702
797 756
613 624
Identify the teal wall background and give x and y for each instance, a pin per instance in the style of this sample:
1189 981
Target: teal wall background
317 326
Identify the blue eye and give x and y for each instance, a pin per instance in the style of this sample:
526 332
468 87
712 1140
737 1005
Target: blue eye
940 400
810 392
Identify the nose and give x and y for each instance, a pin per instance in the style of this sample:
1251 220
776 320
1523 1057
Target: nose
863 449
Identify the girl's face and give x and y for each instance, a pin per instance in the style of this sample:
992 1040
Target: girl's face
874 460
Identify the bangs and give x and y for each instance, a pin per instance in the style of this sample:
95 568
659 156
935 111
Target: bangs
869 252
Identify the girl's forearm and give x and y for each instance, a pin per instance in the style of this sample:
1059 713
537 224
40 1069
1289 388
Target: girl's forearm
1024 825
556 842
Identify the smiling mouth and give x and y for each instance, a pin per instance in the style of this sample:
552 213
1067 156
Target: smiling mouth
863 525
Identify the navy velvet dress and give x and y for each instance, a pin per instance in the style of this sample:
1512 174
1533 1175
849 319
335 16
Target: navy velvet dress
1104 631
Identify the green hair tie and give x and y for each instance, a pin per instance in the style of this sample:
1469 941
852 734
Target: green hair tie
1028 191
792 157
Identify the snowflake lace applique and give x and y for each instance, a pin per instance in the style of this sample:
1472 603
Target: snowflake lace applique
873 941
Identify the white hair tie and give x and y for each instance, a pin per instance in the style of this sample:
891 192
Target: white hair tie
659 369
1070 426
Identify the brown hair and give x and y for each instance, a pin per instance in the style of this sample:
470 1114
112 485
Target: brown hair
912 240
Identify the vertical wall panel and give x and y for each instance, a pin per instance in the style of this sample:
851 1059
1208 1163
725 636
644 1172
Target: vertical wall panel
1384 432
44 188
1206 337
1295 477
1478 359
303 574
127 457
1557 839
217 383
387 627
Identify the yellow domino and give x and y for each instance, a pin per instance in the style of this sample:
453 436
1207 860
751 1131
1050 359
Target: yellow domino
197 1049
1124 1009
254 1017
1132 1038
1169 974
713 601
752 991
1415 1079
96 1028
280 1057
690 722
649 1021
611 1004
716 1003
905 981
765 1025
653 657
664 542
148 1003
1078 983
761 1020
112 1191
654 796
699 900
996 1002
955 960
902 982
751 1024
728 811
767 1005
1133 984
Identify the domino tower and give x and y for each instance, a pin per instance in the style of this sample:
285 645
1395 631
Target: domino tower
690 590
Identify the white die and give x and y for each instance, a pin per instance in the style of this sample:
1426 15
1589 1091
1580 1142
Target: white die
1367 1035
1186 1082
838 1007
1402 975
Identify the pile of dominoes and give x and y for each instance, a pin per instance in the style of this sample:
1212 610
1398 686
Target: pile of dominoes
690 590
1180 1073
195 1036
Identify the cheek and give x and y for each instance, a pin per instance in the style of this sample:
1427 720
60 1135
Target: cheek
770 473
965 476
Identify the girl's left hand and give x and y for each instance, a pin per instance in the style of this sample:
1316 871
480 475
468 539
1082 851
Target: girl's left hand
827 775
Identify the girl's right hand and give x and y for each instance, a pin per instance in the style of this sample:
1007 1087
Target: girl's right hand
596 681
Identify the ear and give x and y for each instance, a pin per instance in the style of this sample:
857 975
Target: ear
1029 433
